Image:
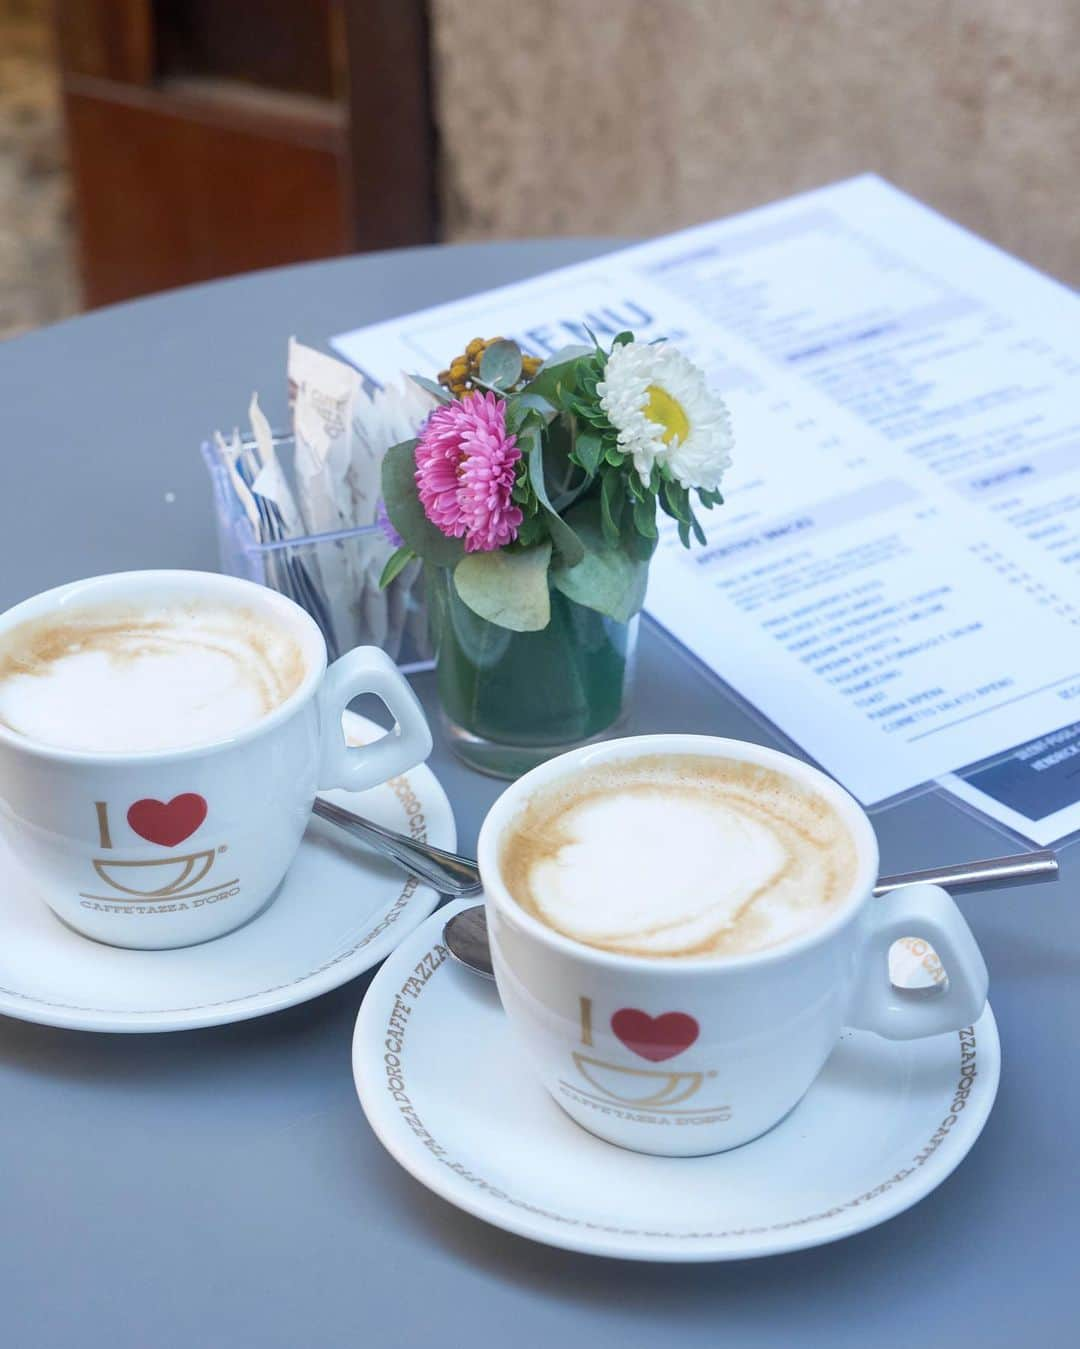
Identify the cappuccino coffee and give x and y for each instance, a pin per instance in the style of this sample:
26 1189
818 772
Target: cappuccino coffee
679 855
129 678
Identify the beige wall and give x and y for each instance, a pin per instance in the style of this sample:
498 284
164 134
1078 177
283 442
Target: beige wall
638 116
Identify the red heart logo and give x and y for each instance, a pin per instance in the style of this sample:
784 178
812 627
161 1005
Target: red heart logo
167 822
654 1037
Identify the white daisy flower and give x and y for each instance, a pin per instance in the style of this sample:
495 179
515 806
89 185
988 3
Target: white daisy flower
665 413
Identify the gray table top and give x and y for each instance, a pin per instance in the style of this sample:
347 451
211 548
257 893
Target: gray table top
221 1187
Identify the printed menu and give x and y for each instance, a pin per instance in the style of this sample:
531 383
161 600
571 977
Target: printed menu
894 578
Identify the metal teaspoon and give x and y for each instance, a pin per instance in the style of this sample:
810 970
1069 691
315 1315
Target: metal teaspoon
452 874
466 936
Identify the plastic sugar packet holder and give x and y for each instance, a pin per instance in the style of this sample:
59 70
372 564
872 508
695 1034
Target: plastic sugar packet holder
394 619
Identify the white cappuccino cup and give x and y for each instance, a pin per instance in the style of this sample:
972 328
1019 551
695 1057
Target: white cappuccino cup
676 1020
162 738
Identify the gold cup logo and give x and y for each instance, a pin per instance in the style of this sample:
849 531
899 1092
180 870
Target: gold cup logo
150 879
655 1089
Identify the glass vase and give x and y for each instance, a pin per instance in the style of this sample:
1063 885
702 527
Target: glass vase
510 700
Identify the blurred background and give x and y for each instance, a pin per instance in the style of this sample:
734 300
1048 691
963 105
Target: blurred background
146 144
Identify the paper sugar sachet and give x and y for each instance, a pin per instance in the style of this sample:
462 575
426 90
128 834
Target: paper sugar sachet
270 482
380 420
229 452
342 434
323 392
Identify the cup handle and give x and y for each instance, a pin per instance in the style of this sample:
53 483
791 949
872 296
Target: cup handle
929 912
368 669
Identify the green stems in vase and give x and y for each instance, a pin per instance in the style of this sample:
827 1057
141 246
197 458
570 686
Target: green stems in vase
512 699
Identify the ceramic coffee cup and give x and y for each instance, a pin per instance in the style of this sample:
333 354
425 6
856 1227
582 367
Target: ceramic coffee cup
158 849
685 1056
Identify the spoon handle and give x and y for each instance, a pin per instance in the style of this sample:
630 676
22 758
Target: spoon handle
452 874
445 871
1020 869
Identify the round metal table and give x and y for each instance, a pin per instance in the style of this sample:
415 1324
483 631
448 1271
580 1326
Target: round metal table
221 1188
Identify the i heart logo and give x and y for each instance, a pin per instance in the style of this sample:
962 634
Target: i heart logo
167 822
654 1037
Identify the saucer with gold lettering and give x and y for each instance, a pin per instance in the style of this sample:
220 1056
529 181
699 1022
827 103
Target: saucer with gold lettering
338 912
447 1093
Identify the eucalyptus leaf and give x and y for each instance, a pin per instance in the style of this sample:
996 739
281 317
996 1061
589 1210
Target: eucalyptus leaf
562 536
407 514
507 587
500 365
436 390
607 578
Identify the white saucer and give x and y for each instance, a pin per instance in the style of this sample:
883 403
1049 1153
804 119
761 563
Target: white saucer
339 911
449 1096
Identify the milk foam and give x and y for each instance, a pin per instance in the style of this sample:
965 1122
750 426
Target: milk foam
124 679
680 856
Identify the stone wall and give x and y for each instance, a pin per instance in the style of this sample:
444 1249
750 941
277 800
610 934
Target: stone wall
37 272
639 116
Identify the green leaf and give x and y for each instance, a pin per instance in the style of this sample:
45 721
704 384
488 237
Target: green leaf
637 545
436 390
588 450
532 529
675 499
407 514
612 500
622 339
607 578
695 525
558 381
615 457
645 517
507 587
396 563
562 536
520 405
500 365
564 356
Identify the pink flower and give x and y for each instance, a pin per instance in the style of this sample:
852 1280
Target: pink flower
465 464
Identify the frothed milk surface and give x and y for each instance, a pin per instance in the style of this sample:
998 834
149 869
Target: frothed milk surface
679 856
125 678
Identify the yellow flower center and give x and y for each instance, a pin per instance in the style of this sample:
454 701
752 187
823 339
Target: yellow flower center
667 412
